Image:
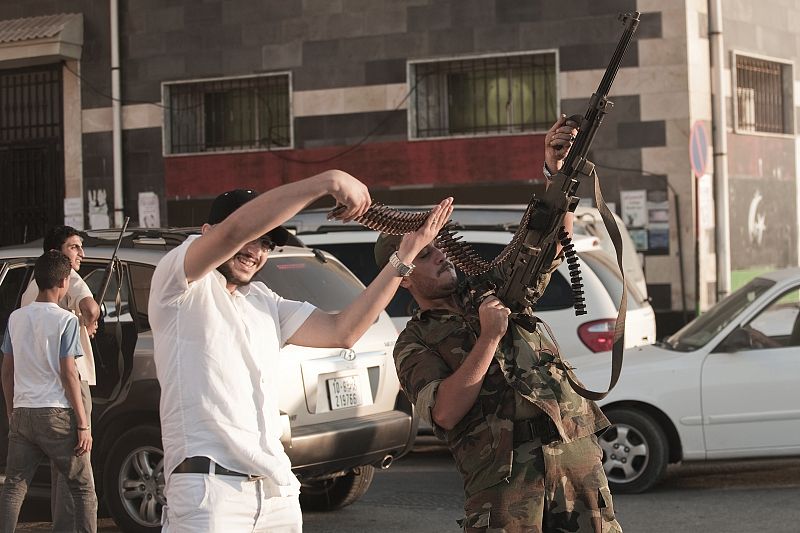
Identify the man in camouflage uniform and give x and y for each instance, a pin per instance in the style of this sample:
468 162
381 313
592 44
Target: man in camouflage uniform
522 439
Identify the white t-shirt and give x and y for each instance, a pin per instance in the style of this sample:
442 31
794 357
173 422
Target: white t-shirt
38 335
216 355
77 291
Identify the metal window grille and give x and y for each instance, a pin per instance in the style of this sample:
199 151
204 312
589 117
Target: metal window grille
30 104
763 95
228 114
31 152
484 96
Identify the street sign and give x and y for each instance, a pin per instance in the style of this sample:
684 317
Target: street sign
698 148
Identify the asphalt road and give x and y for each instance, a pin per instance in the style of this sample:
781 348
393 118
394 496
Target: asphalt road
422 493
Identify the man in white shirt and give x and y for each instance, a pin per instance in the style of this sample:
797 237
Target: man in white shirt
79 300
217 336
43 399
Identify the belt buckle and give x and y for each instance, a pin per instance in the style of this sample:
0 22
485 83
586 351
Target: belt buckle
254 477
549 432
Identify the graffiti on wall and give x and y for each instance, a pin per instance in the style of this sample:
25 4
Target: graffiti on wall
756 219
98 209
767 235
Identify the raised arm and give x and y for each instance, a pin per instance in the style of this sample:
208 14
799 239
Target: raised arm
458 392
268 211
557 142
345 328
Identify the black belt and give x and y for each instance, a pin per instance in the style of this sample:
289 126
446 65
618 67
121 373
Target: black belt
202 465
541 428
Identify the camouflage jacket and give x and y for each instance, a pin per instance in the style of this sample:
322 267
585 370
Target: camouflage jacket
435 343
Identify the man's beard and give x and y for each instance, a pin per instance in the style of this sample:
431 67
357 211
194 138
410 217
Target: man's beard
230 277
434 290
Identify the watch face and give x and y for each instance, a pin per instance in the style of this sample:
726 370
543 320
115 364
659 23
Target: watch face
402 268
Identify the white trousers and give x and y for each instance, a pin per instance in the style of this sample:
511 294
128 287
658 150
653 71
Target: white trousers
214 503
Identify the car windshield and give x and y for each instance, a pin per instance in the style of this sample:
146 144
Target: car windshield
608 273
328 286
699 331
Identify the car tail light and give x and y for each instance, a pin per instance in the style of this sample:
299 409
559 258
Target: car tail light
598 335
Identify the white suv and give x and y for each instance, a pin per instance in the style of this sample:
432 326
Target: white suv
577 336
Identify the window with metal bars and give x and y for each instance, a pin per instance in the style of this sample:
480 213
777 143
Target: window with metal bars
484 96
763 96
250 113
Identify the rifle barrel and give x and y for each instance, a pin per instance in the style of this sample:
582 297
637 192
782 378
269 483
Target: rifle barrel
110 268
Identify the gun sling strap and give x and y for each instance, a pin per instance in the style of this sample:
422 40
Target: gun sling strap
619 327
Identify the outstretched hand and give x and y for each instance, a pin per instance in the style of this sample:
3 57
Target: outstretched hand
414 242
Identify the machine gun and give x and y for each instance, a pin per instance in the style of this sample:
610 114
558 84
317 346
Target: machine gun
534 246
544 226
544 218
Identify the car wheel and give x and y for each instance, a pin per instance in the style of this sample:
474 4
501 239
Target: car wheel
635 451
335 493
133 480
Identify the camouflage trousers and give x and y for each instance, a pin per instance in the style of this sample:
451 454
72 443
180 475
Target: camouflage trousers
552 489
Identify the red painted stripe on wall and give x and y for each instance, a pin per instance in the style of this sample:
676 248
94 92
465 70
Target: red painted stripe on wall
379 165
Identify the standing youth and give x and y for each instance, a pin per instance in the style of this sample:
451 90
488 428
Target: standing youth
43 398
80 301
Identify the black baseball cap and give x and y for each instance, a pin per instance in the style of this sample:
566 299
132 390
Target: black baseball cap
385 246
228 202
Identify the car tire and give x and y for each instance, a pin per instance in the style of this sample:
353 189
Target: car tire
335 493
133 480
635 451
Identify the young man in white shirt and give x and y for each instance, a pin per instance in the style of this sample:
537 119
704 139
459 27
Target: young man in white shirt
216 338
43 398
80 301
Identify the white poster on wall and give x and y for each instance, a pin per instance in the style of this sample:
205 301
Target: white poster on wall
98 209
634 207
73 212
705 202
149 213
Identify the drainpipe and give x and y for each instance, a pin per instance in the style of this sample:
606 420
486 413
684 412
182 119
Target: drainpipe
720 140
116 114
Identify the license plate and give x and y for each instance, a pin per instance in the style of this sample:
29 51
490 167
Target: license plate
343 392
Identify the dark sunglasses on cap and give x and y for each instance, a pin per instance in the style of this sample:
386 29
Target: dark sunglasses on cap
267 243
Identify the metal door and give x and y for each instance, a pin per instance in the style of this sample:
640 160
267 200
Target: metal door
31 152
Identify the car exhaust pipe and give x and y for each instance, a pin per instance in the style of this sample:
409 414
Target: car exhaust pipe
387 462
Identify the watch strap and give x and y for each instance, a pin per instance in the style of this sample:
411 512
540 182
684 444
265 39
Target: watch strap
402 269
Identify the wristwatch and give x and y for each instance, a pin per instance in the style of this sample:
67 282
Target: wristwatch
403 269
